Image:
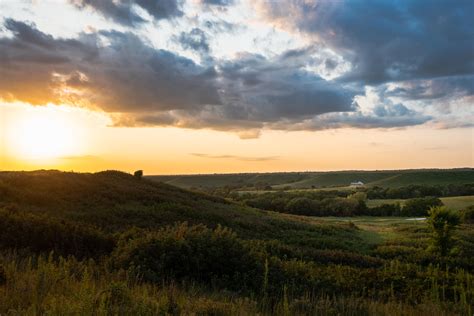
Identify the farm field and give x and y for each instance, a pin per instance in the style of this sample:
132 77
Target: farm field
454 202
378 229
308 180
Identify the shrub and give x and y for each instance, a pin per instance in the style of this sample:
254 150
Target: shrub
194 253
420 206
43 234
3 275
301 206
468 214
443 222
385 210
138 174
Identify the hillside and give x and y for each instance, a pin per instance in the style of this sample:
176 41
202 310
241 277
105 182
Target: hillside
115 201
388 178
109 243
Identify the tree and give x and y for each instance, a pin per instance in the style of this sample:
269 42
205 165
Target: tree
300 206
468 214
138 174
420 206
443 223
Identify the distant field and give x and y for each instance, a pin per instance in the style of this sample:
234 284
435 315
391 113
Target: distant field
455 202
307 180
376 230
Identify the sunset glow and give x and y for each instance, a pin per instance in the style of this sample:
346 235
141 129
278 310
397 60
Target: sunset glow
45 136
234 86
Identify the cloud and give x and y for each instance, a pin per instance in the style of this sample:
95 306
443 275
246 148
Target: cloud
386 40
354 120
139 85
235 157
432 89
195 40
218 2
123 11
125 75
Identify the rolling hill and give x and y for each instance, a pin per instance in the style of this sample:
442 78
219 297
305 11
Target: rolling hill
300 180
110 243
114 202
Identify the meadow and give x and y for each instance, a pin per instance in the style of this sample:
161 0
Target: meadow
110 243
453 202
330 179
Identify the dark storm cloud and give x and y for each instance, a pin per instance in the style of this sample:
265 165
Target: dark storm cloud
218 2
126 75
142 86
30 59
382 116
388 40
438 88
122 11
273 90
196 40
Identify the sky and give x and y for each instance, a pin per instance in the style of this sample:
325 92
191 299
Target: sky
217 86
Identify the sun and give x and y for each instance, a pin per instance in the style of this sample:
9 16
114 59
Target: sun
43 135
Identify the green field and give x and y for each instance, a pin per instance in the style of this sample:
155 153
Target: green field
302 180
455 202
377 229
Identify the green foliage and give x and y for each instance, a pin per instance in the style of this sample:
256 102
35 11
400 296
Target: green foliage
416 191
420 206
385 210
192 253
43 234
468 214
443 223
120 247
302 206
322 203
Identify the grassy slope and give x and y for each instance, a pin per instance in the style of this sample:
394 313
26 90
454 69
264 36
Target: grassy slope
454 202
115 201
392 178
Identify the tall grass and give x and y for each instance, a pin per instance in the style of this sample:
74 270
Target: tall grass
46 285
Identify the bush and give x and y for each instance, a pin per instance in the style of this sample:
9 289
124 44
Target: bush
468 214
193 253
301 206
138 174
43 234
420 206
443 222
385 210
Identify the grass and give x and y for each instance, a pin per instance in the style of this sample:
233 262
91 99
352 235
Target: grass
68 287
455 202
375 230
168 251
458 202
115 202
301 180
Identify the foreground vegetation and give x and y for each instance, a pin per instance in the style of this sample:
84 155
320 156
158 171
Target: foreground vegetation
111 243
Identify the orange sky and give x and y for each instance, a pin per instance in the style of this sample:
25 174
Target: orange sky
76 139
235 86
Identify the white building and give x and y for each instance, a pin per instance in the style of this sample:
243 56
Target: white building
357 184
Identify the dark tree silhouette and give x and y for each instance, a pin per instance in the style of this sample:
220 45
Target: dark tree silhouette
138 174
